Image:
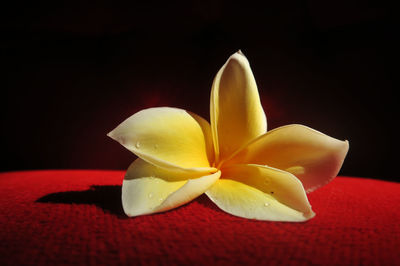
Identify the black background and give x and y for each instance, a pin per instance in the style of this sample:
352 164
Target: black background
73 70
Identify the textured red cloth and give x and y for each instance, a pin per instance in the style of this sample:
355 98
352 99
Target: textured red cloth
75 217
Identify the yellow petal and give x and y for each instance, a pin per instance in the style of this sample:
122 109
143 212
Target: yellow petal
313 157
236 112
281 185
168 137
149 189
245 201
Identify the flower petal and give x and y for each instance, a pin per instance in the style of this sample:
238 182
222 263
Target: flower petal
236 112
262 193
150 189
168 137
312 156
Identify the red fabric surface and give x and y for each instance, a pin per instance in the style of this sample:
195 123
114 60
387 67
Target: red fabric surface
75 217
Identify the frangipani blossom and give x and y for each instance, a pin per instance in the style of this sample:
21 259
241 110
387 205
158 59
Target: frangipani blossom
245 170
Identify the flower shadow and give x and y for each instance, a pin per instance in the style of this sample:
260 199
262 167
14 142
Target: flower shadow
204 201
105 197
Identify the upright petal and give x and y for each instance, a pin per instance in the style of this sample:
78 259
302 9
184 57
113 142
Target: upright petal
149 189
168 137
236 112
262 193
311 156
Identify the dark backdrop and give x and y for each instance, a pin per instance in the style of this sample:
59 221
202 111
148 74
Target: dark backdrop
73 70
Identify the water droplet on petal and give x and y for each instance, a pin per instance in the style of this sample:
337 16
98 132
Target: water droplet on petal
266 204
137 145
150 195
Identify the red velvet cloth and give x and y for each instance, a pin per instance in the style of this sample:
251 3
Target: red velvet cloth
75 217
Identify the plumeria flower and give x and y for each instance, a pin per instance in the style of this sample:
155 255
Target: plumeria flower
245 170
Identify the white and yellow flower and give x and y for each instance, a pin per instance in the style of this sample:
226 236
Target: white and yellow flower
245 170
